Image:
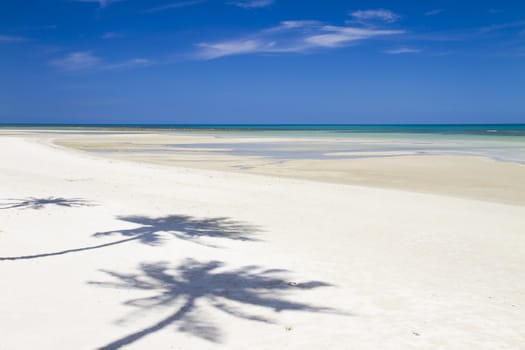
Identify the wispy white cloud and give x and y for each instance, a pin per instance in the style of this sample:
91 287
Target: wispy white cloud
86 60
298 24
174 5
402 50
291 26
252 3
434 12
291 36
228 48
11 39
508 25
101 3
75 61
111 35
376 14
131 63
337 36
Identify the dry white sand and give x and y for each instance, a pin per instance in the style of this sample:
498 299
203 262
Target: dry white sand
108 254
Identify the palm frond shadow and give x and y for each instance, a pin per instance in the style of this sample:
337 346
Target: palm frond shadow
187 285
40 203
153 231
184 227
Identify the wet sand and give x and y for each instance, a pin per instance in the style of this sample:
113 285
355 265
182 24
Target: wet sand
459 175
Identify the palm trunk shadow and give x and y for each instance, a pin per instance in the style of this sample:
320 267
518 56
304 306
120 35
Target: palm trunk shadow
133 337
226 290
152 231
68 251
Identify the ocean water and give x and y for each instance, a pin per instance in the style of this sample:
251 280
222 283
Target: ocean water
502 142
503 130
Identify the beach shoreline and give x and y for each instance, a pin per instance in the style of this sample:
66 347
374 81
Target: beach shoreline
475 176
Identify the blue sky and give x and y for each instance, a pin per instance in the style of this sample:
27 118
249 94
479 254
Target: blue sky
262 61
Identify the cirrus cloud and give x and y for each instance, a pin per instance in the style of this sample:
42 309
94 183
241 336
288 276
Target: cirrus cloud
434 12
101 3
11 39
235 47
377 14
402 50
248 4
336 36
75 61
292 36
174 5
86 60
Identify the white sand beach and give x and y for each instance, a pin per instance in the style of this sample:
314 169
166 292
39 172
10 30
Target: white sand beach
112 253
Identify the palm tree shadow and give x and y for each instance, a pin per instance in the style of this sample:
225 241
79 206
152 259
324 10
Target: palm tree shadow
153 231
185 286
40 203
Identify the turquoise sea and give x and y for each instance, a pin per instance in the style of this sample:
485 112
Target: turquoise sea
502 142
330 129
